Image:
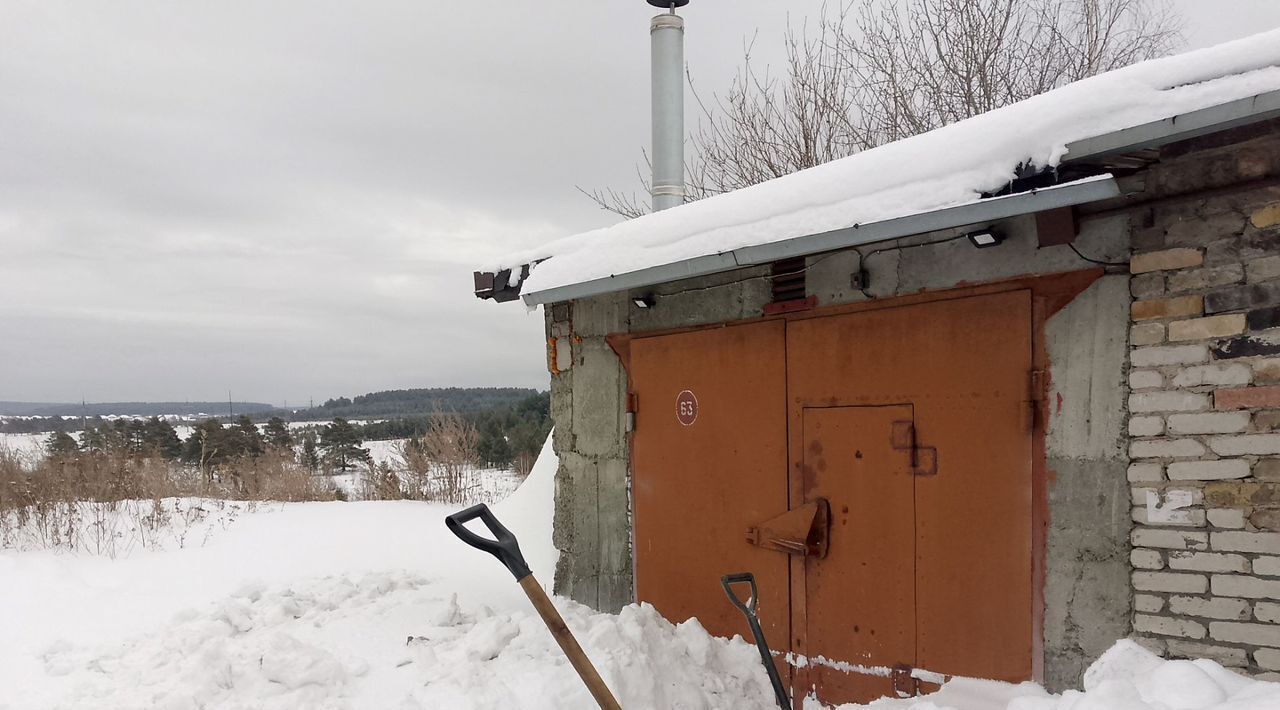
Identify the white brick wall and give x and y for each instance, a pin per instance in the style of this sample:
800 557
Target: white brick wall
1208 562
1234 374
1204 428
1257 634
1166 449
1254 444
1247 542
1208 470
1169 355
1239 585
1215 608
1169 626
1209 423
1171 582
1168 401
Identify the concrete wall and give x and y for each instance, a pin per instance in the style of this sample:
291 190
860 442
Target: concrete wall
1086 591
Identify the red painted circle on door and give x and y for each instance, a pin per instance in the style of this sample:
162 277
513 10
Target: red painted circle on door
686 408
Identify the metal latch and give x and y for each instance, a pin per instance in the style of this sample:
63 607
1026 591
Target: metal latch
802 531
924 459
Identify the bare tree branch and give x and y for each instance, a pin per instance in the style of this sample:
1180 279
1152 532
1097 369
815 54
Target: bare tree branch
876 71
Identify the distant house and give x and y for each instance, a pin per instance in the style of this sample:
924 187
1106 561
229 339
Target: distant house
975 403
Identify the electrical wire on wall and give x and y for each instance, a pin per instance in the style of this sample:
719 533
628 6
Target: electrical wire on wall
1096 261
862 261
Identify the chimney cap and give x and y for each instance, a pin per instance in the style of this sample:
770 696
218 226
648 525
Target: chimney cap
666 4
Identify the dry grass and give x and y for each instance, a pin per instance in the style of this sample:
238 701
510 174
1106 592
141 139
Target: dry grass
441 465
109 503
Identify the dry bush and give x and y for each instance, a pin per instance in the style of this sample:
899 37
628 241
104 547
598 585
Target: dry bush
524 463
441 465
112 502
382 482
450 447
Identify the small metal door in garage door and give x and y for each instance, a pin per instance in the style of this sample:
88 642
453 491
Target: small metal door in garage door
709 459
859 604
902 433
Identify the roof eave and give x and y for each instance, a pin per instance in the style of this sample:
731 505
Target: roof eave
1102 187
1213 119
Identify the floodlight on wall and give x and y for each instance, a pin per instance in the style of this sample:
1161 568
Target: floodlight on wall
985 238
645 301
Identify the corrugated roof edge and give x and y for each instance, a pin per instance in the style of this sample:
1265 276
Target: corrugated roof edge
1092 189
1175 128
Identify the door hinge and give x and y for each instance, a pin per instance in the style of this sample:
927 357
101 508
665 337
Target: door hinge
631 412
905 684
924 459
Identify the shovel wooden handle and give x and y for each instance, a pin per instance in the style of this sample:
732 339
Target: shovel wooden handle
568 644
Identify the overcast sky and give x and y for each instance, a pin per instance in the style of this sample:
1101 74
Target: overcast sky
285 200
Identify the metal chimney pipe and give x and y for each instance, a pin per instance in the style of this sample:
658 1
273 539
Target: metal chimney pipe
666 35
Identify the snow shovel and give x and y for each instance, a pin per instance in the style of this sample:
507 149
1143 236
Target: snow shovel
507 550
748 610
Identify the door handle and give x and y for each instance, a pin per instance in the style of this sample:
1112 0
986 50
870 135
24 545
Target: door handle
801 531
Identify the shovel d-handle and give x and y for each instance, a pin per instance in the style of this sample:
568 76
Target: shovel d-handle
749 606
504 545
748 609
507 550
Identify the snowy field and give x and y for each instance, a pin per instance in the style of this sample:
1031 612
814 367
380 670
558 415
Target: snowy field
28 447
376 606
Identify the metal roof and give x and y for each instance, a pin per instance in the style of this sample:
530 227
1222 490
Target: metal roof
1145 136
992 209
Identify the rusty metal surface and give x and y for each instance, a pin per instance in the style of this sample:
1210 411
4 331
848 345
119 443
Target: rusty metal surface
937 390
860 601
702 476
800 531
964 365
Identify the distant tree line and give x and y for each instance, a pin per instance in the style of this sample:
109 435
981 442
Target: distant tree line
417 402
212 444
506 436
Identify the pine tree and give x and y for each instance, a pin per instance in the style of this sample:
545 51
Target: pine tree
248 440
207 445
61 445
159 436
341 444
92 440
310 451
277 433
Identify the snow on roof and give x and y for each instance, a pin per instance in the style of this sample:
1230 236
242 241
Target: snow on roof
931 171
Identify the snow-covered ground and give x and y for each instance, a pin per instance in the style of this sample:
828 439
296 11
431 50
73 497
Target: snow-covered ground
375 605
27 447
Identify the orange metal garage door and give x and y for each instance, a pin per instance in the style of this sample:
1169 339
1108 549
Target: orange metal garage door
709 459
912 423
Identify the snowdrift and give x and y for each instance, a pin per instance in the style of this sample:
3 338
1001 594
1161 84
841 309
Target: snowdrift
376 606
